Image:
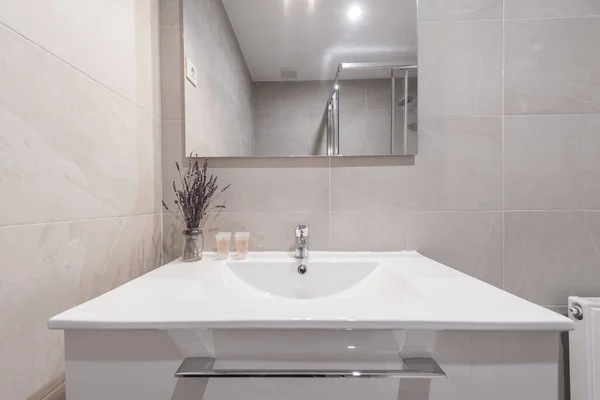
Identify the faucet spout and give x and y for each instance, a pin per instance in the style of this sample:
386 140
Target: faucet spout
301 241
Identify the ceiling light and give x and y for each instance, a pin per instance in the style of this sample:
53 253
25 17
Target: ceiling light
354 13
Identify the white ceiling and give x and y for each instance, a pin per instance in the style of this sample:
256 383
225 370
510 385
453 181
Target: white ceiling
314 36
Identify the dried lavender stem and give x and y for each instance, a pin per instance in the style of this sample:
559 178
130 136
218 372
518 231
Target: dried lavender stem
197 194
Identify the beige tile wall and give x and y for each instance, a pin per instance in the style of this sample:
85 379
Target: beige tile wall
219 109
551 149
289 118
505 186
80 175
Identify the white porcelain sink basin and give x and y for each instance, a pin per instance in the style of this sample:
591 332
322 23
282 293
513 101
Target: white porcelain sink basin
322 278
389 291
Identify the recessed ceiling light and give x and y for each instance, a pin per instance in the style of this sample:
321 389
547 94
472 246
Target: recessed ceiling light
354 13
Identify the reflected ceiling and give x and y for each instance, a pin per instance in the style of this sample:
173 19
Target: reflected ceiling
307 39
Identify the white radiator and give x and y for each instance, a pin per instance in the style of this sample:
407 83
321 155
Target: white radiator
584 348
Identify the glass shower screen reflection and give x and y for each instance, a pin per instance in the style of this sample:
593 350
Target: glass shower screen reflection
373 115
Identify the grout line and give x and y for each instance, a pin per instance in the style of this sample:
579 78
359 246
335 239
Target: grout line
503 185
551 115
553 18
508 115
504 250
503 18
463 116
162 184
78 220
77 69
396 210
330 207
502 95
458 21
162 239
553 211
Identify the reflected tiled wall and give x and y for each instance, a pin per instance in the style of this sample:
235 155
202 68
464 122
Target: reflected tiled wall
80 174
505 186
219 109
289 117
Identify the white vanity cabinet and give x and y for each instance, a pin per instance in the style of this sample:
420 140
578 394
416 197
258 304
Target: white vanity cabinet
350 326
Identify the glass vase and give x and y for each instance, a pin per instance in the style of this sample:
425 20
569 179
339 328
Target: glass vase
193 246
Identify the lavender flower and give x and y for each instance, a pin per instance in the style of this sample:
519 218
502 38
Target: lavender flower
198 191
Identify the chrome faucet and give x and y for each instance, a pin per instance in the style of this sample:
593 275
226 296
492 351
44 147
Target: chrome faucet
302 241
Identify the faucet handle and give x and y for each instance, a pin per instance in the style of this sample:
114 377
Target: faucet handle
302 231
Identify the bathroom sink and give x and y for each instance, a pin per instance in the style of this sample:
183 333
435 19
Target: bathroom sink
339 290
302 280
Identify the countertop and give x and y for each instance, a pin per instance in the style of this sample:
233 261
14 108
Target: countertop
405 291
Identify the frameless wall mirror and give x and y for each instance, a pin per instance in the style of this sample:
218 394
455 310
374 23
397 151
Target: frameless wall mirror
271 78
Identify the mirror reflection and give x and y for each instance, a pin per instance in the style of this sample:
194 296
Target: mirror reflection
300 77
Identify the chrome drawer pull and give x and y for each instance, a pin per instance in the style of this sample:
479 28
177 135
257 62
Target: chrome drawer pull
414 368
